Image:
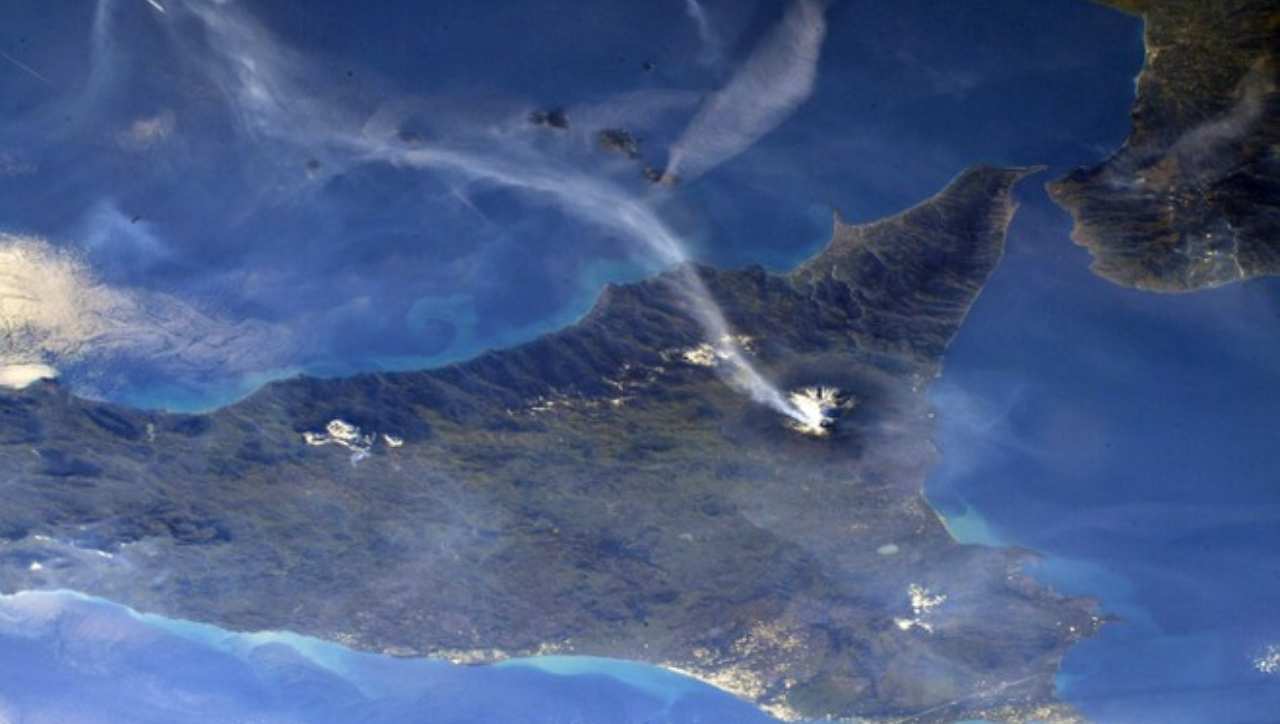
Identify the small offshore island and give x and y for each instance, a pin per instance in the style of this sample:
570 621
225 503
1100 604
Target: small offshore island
599 491
1192 199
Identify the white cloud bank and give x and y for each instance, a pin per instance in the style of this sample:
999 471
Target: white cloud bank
55 312
20 376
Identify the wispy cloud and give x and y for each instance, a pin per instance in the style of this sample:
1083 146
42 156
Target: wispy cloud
25 68
266 81
54 312
15 165
310 151
712 46
149 131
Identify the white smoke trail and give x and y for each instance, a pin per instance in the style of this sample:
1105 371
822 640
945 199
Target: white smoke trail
776 78
598 202
712 50
263 80
103 64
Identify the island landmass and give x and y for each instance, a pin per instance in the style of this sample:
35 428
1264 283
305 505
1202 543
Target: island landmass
599 491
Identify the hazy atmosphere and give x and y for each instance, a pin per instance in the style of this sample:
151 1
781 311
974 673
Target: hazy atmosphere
883 439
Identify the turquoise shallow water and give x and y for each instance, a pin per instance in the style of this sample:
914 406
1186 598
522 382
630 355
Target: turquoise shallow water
63 654
358 266
1126 436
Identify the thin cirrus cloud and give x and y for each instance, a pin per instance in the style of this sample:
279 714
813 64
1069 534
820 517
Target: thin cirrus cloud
298 144
267 82
712 46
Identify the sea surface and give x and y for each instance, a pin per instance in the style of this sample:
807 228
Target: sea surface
1128 437
65 657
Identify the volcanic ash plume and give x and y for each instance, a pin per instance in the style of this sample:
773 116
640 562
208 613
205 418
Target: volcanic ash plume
776 78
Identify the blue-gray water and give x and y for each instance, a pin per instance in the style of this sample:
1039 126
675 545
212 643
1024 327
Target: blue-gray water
69 658
1128 436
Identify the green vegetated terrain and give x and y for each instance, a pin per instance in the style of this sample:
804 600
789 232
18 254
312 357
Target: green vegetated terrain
604 490
1192 199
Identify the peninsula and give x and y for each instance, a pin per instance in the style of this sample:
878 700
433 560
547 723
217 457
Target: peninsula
1192 199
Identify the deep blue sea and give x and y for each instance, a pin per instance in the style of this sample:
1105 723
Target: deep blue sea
1129 437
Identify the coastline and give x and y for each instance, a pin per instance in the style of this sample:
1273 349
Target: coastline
757 657
667 684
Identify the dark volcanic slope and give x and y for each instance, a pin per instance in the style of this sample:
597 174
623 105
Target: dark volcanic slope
1192 200
593 492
